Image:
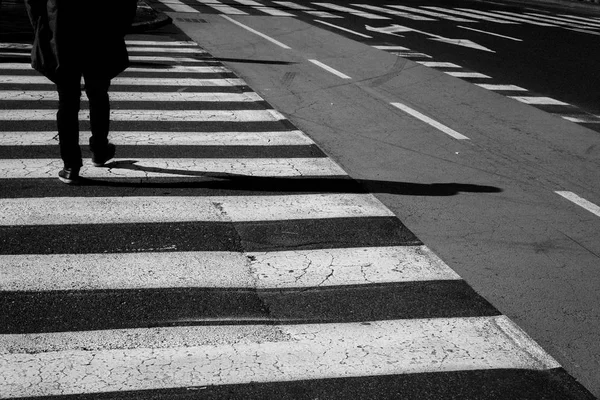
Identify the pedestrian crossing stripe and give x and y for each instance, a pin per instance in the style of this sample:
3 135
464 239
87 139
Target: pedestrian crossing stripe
159 43
150 138
169 69
177 167
300 352
119 81
112 210
130 96
277 269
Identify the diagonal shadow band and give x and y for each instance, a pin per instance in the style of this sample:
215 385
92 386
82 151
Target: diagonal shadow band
177 178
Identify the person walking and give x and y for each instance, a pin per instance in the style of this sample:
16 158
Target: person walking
75 39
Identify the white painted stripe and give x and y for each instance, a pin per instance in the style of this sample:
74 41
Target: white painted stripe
411 54
509 18
539 100
294 6
156 49
285 269
391 48
217 5
160 81
344 29
178 6
581 24
534 18
430 13
162 43
469 15
490 33
329 69
579 18
435 64
323 14
154 115
198 61
582 31
16 46
299 352
268 10
349 10
430 121
38 95
592 119
262 35
285 138
500 87
163 69
581 202
107 210
467 75
148 168
394 12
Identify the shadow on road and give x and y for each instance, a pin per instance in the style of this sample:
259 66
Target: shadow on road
310 184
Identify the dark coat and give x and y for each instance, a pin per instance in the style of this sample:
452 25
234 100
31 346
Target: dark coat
73 36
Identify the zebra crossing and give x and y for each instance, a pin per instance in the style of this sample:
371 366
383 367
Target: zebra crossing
223 251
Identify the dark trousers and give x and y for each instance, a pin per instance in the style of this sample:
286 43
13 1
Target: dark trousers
67 118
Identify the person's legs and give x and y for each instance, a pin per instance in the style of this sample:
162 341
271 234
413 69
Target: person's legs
96 89
67 119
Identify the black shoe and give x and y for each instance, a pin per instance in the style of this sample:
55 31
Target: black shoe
70 176
99 158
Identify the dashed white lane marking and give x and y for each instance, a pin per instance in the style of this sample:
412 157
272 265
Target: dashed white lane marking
266 10
394 12
198 61
430 121
581 202
301 352
491 33
36 80
539 100
145 168
153 138
436 64
39 95
467 74
157 49
329 69
262 35
580 18
430 13
344 29
580 24
510 18
178 6
225 9
284 269
131 209
587 119
352 11
158 43
392 48
490 86
469 15
154 116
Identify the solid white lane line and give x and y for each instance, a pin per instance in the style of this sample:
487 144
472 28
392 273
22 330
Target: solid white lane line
430 121
267 10
469 15
285 269
225 9
394 12
131 209
178 6
148 168
435 64
40 95
581 202
430 13
509 18
539 100
262 35
490 33
161 81
343 29
284 138
329 69
352 11
467 75
301 352
154 115
500 87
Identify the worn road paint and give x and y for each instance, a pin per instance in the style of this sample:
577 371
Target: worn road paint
581 202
